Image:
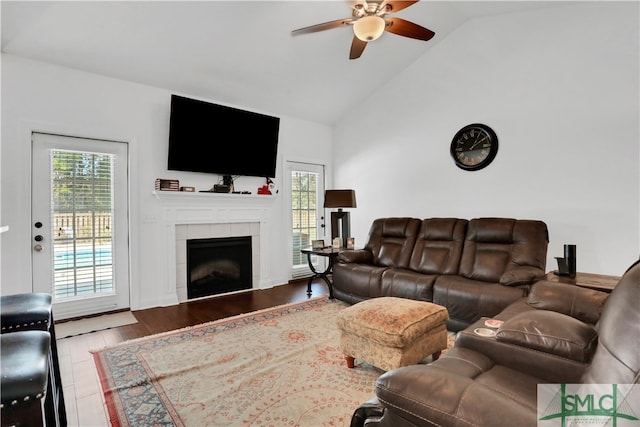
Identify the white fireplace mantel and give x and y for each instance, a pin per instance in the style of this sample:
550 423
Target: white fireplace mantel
178 196
216 210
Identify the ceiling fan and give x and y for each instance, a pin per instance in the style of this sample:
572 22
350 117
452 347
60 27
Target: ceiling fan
370 21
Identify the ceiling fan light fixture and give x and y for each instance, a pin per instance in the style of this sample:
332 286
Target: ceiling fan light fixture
369 28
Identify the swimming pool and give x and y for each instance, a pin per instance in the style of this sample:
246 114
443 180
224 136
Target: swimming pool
64 259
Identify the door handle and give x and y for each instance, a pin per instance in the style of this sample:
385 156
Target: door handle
38 238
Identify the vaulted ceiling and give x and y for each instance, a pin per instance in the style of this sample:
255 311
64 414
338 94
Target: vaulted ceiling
240 53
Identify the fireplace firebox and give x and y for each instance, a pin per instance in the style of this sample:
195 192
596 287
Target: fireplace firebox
218 265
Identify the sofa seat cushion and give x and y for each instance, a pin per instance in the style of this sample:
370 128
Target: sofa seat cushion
468 300
550 332
404 283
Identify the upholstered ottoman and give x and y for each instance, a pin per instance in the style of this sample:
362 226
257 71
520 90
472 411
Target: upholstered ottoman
390 332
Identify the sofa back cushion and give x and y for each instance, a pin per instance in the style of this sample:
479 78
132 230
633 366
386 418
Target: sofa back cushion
493 246
617 357
438 247
391 241
583 304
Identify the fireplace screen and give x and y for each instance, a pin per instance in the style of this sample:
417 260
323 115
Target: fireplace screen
217 266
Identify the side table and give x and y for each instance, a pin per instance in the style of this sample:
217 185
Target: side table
599 282
331 254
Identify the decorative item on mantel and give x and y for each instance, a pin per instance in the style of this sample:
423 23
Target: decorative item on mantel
167 184
340 226
268 188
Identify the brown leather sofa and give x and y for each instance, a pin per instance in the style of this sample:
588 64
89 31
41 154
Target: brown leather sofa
474 268
493 381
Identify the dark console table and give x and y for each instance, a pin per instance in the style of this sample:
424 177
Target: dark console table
331 254
599 282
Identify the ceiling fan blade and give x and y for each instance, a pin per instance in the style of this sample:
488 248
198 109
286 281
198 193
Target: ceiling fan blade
406 28
322 27
357 47
395 6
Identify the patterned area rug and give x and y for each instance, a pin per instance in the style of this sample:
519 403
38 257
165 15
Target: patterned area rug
280 366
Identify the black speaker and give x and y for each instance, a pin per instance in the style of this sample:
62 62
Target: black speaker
570 258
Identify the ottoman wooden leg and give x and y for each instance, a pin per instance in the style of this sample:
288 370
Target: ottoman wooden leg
435 356
350 361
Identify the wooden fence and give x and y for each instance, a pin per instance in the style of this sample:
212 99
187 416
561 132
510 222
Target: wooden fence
82 225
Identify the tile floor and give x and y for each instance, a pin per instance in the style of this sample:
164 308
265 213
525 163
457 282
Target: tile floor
82 394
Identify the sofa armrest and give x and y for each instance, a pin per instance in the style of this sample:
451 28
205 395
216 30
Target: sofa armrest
360 256
583 304
550 332
548 366
521 275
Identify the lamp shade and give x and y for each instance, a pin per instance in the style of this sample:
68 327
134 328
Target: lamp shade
339 199
368 28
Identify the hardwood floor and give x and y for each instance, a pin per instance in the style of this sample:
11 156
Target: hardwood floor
82 393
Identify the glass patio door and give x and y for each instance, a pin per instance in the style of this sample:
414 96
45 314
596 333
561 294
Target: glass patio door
80 223
307 214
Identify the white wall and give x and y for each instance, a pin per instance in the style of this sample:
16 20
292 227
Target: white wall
560 88
37 96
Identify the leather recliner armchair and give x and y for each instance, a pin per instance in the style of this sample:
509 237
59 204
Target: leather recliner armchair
485 385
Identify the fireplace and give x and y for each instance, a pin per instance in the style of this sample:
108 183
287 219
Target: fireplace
218 265
203 216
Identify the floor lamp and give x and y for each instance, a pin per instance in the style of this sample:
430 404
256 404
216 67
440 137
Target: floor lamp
340 199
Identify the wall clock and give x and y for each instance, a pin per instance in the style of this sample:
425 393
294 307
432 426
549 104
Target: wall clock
474 146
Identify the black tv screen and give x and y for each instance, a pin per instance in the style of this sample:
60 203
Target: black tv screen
211 138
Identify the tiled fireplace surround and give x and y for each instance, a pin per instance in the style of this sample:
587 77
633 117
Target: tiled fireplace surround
186 232
205 215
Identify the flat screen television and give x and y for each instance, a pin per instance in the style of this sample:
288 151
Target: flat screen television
212 138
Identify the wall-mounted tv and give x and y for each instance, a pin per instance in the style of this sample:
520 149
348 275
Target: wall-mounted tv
211 138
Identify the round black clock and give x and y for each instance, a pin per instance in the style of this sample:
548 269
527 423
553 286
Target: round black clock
474 147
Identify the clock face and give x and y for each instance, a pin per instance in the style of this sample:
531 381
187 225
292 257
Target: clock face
474 147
